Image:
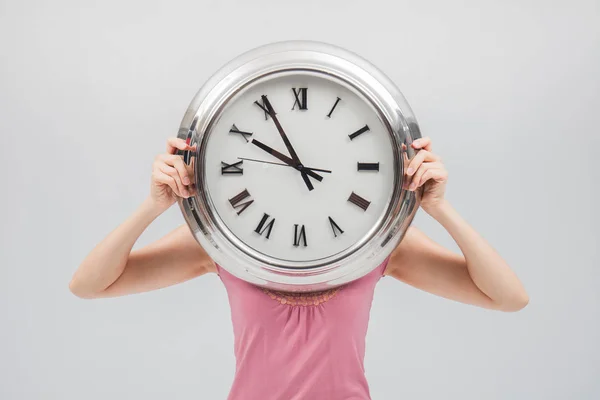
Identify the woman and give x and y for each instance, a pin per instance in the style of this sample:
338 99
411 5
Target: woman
291 346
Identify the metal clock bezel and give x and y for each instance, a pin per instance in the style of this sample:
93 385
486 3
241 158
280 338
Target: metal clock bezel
358 75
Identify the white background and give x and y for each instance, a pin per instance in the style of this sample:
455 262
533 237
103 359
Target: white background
90 90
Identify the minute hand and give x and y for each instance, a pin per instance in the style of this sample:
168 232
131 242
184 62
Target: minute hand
285 159
287 142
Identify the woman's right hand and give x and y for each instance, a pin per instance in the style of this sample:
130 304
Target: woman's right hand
171 177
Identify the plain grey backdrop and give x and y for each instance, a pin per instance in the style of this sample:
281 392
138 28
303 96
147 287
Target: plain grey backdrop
507 90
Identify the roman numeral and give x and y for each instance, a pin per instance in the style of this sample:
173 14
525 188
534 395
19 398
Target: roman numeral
301 100
263 106
236 201
234 129
359 132
359 201
367 166
333 108
298 236
263 226
335 226
232 168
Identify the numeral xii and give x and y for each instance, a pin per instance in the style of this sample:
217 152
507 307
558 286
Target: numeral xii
301 98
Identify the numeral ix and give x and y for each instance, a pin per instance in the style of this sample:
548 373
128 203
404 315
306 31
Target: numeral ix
232 168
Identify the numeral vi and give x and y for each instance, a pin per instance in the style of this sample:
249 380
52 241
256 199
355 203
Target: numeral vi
299 235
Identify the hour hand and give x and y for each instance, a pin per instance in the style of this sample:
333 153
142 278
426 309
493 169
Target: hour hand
275 153
286 160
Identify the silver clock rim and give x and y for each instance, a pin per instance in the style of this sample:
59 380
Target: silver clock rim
358 75
312 265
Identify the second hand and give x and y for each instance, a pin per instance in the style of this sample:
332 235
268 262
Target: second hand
285 165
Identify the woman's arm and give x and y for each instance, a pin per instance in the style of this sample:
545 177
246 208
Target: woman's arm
113 269
479 277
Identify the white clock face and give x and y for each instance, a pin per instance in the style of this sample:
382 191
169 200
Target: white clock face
278 207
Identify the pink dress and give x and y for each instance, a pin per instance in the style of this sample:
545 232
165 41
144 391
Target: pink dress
292 346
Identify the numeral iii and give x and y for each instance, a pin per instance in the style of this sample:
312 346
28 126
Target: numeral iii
367 166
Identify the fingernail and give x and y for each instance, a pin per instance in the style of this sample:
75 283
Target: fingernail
410 171
416 142
413 186
186 180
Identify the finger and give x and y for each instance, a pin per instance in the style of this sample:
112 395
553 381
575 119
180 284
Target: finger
174 143
424 167
418 178
411 182
176 161
418 159
422 143
169 159
161 177
181 190
437 174
428 172
181 168
174 173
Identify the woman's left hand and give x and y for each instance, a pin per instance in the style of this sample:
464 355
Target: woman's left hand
426 169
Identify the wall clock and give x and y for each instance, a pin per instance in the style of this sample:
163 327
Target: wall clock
300 154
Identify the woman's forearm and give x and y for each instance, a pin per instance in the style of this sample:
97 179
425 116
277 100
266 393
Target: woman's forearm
487 268
106 262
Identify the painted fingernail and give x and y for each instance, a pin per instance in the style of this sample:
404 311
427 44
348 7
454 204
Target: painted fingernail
410 171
